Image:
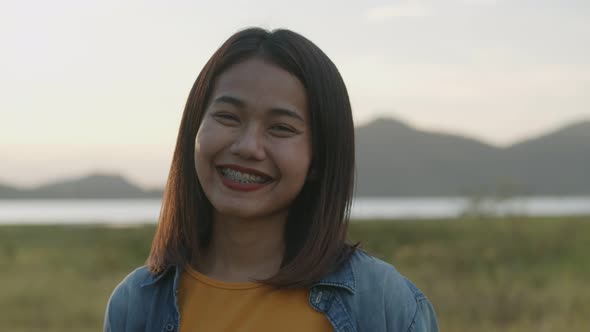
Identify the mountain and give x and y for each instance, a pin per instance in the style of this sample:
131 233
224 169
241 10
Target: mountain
9 192
100 186
395 159
557 163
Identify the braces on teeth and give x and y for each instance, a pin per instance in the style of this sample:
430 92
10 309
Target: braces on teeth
242 177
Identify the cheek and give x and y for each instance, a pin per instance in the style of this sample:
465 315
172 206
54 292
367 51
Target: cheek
204 148
209 137
198 149
295 162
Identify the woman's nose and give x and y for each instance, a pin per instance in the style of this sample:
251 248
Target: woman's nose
249 144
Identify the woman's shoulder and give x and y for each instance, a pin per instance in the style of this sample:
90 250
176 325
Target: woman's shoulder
130 298
124 293
377 281
136 282
368 268
373 274
136 277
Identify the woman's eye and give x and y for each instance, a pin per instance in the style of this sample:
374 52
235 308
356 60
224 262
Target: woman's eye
226 118
283 130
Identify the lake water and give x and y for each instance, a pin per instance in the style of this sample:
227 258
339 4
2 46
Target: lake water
139 211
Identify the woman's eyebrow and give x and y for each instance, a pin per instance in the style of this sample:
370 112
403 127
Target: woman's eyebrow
230 100
275 111
286 112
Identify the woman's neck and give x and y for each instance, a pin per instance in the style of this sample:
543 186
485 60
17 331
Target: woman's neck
244 250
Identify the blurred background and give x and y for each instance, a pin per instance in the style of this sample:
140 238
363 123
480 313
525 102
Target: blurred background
473 146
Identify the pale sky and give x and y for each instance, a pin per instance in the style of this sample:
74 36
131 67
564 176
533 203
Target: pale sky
89 86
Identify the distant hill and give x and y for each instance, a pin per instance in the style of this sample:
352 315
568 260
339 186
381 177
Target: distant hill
95 186
555 163
9 192
395 159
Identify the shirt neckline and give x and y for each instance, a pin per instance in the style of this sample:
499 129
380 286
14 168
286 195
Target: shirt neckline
220 284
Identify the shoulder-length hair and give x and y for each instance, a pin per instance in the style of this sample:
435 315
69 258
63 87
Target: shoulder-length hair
316 228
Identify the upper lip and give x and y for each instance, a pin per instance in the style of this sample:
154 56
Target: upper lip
245 170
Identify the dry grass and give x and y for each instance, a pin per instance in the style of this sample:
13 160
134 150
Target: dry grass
481 275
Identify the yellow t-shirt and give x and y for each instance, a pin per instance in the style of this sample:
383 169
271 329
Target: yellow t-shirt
206 304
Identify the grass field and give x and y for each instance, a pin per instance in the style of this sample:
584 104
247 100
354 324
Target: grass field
481 275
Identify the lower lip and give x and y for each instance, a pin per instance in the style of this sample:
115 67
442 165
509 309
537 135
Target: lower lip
239 186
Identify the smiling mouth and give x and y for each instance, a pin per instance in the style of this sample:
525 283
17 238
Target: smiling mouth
242 176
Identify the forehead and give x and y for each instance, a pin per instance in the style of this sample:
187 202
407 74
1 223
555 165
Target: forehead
261 85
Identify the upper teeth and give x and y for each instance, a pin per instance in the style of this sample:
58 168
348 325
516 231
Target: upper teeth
242 177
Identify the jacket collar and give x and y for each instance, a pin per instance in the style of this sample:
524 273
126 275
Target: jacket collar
342 277
151 278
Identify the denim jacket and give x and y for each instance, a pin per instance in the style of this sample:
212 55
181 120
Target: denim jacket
363 294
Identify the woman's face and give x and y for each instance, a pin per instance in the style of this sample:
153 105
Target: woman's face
253 148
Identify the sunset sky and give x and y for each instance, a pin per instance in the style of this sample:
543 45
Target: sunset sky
91 86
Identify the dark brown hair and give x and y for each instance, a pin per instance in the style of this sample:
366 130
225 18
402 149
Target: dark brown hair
316 229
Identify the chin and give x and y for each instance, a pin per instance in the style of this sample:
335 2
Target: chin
244 212
237 212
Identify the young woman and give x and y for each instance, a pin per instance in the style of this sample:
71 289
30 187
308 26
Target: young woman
252 232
